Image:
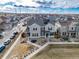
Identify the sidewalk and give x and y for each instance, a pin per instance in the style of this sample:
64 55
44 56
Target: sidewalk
36 51
33 44
48 43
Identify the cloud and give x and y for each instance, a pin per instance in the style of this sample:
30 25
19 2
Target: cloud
62 3
27 3
66 3
55 3
5 1
8 8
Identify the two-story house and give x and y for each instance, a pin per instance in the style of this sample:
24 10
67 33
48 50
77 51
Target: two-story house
68 27
39 27
77 30
72 29
64 29
64 23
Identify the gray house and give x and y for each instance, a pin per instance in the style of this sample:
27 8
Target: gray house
40 27
77 30
69 29
64 28
46 27
73 29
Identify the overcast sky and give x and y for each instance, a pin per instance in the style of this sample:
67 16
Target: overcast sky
56 3
60 3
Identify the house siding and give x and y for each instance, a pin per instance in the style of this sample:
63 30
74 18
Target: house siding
51 29
34 31
49 25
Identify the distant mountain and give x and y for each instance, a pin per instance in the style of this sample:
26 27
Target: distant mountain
44 2
10 3
58 3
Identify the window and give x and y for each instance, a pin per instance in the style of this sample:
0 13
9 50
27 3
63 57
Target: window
72 28
37 34
64 33
34 28
73 33
51 34
28 28
43 28
34 34
28 34
49 28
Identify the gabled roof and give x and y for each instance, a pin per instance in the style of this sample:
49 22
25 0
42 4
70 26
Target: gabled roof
65 23
40 21
77 29
77 24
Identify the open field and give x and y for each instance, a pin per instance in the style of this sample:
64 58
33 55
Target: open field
19 51
51 52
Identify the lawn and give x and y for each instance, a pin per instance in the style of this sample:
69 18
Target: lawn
58 53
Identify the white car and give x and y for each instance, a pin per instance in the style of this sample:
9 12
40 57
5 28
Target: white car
7 42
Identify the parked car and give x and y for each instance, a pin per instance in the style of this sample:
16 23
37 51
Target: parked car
33 41
12 37
15 33
2 47
7 42
66 38
1 36
24 24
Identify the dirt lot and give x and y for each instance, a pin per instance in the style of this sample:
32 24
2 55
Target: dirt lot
19 51
58 53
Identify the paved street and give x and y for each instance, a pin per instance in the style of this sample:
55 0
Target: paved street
7 47
19 28
9 34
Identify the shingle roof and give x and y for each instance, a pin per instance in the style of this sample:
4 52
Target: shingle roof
40 21
64 20
77 24
65 23
77 28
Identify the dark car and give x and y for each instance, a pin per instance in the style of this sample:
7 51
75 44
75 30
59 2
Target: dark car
7 42
24 24
12 37
2 48
33 41
1 36
66 38
15 33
